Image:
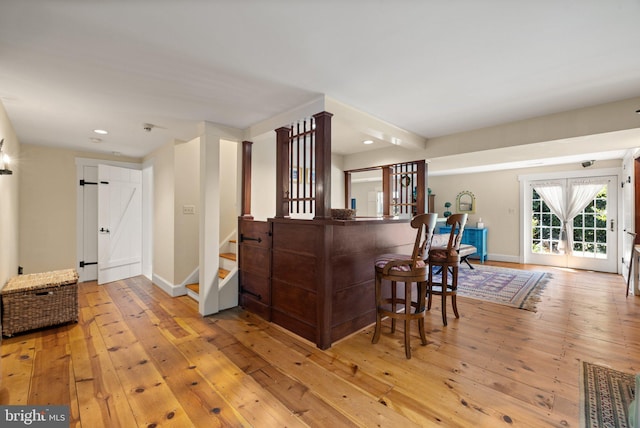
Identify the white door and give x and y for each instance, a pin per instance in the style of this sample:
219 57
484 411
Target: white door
119 223
593 230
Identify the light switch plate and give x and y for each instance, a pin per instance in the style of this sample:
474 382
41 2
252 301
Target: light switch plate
188 209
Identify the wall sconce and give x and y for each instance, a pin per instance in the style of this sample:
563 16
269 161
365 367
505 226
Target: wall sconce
4 161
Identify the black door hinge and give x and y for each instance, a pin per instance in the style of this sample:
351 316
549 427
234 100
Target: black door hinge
83 264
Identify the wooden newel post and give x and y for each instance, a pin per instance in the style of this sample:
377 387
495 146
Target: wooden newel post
386 191
282 172
421 198
323 164
347 189
246 180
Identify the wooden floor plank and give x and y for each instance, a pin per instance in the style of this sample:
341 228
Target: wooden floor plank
202 403
148 395
102 399
138 357
17 368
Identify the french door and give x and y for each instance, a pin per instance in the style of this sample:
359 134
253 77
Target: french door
588 238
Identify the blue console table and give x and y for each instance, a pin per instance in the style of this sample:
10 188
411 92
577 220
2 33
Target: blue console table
473 236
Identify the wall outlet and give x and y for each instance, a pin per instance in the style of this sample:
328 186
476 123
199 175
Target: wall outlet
188 209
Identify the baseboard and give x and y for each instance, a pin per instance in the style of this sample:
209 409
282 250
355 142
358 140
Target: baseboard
171 289
503 258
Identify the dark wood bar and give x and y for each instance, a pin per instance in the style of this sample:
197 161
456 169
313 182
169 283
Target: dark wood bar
320 280
315 277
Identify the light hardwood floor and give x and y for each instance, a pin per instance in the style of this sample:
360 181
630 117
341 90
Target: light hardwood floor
140 358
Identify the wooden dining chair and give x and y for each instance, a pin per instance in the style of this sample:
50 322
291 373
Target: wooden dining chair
446 260
408 269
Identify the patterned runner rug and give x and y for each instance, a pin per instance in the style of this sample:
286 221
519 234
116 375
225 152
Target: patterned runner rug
605 395
512 287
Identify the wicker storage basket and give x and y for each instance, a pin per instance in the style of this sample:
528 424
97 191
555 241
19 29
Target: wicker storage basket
39 300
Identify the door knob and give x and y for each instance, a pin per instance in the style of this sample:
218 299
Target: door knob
103 230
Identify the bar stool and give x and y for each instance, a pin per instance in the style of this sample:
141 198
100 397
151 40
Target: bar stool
407 269
447 260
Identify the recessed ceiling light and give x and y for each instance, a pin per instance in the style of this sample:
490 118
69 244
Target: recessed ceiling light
95 140
100 131
367 142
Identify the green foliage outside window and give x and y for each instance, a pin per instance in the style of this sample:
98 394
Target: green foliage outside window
589 227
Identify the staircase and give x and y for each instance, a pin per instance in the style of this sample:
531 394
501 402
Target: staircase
227 277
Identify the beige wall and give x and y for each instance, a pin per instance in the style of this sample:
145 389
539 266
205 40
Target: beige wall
9 186
163 211
187 192
47 204
229 209
263 177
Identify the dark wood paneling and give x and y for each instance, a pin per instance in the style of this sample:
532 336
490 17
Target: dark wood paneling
251 230
351 302
322 273
258 286
295 301
296 269
294 325
249 303
349 240
254 265
297 236
353 325
354 268
254 259
396 237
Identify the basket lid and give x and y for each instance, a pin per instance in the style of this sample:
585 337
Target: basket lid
38 280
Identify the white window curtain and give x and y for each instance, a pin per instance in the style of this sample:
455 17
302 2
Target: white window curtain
566 204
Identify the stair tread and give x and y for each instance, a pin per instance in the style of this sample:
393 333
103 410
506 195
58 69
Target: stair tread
222 273
194 287
230 256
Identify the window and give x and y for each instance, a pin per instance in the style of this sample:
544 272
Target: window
589 227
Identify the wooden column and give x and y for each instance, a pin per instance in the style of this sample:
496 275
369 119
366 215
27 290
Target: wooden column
386 190
246 180
347 189
421 185
323 164
282 172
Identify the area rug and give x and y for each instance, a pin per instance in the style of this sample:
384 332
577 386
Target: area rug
605 395
511 287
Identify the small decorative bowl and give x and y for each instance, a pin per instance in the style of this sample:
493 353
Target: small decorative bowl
343 214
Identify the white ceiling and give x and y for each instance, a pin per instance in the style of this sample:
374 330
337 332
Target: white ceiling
429 67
